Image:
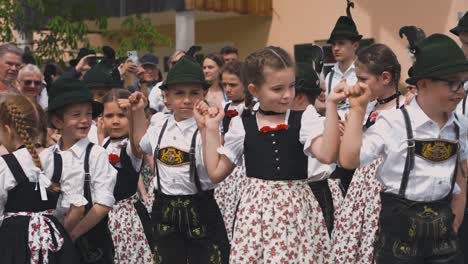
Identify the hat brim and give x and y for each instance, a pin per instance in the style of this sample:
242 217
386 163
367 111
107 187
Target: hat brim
344 35
74 98
165 85
456 30
440 71
150 63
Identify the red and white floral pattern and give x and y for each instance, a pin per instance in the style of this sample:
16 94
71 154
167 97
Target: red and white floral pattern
228 194
337 194
356 220
279 222
130 243
40 236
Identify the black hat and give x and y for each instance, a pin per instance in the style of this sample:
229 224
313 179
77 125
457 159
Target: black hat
311 54
149 59
345 28
307 80
67 91
462 25
437 56
82 53
185 71
102 75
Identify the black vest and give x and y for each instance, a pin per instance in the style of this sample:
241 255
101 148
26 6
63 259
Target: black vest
275 155
127 177
24 197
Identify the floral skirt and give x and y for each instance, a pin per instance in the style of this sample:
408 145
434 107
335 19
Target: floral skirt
356 220
279 222
228 194
128 234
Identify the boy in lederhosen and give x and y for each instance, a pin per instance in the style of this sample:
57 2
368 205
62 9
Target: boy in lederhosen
423 146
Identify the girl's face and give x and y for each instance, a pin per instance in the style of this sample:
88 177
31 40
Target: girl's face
278 91
211 70
182 98
233 87
115 120
438 92
375 82
75 122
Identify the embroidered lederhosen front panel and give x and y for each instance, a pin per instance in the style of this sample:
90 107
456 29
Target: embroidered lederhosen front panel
172 156
435 150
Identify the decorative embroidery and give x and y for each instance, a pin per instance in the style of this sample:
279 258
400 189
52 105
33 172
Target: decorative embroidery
436 150
279 127
173 157
114 159
231 113
41 235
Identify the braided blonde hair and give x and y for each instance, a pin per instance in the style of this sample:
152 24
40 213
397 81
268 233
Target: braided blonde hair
24 117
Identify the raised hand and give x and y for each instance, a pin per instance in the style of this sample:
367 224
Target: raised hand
337 94
199 112
83 64
359 95
138 101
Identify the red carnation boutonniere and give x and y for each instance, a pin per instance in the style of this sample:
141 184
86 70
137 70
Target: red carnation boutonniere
114 159
279 127
232 113
373 116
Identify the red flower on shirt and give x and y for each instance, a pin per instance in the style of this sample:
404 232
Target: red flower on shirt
114 159
279 127
373 116
231 113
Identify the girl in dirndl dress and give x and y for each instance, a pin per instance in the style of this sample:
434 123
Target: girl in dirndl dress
229 191
29 190
276 221
129 221
356 220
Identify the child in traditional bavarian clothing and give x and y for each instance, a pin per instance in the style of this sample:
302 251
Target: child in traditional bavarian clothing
276 220
378 67
72 109
129 221
421 146
188 226
229 191
32 179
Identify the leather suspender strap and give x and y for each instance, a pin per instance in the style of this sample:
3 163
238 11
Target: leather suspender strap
464 104
193 167
409 163
58 167
155 156
330 80
87 187
454 179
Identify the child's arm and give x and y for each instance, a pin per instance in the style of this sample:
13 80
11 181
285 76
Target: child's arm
459 199
217 166
326 147
73 217
137 121
349 154
142 190
92 218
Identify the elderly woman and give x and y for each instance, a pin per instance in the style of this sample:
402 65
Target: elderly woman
31 84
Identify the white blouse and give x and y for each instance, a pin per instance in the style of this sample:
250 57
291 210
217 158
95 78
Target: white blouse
311 128
115 148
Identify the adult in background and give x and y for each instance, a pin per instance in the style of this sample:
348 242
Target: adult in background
229 53
211 68
10 63
31 84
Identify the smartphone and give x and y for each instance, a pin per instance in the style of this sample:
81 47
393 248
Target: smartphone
133 55
94 60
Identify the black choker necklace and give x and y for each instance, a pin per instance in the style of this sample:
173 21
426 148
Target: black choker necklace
118 138
238 101
388 99
269 113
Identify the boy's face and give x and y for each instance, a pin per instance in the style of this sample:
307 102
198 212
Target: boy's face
233 87
182 98
344 49
75 122
441 94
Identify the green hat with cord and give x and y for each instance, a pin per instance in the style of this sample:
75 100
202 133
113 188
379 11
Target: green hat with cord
186 70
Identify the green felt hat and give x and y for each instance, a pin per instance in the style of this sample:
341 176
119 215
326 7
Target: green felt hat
102 76
185 71
345 28
307 80
462 25
67 91
437 56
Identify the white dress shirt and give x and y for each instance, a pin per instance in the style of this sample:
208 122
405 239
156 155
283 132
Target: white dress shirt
102 175
428 181
311 128
8 182
156 99
175 180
